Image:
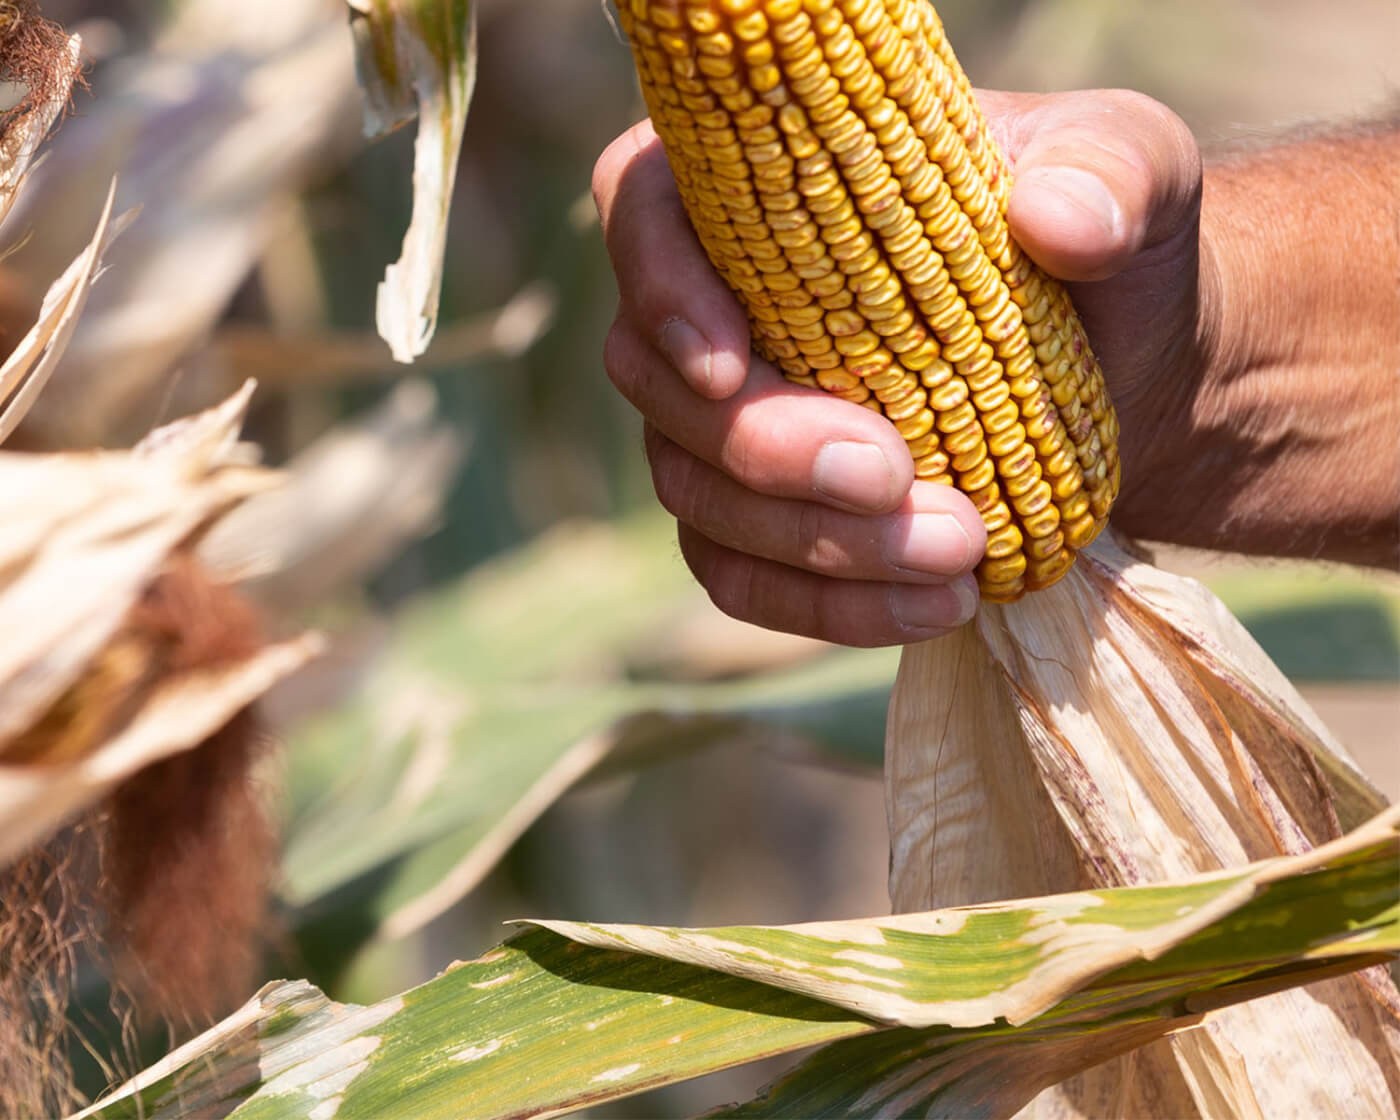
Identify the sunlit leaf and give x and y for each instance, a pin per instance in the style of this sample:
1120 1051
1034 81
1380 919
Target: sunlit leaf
417 53
1091 974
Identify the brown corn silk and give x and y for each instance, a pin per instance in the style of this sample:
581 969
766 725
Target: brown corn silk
1118 727
130 824
841 178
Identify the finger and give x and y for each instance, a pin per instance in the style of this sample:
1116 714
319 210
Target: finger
774 437
849 612
935 536
667 285
1101 176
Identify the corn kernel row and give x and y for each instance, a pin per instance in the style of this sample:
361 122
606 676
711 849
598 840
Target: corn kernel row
843 181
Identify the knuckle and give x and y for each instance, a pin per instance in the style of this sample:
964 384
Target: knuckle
675 480
819 549
1153 121
737 453
610 173
612 352
603 183
758 450
728 580
620 358
601 179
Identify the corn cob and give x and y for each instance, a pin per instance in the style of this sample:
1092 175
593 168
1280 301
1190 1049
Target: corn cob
843 181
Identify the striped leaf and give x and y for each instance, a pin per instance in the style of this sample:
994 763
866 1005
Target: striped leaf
965 1012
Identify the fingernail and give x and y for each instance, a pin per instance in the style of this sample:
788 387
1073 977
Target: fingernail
945 607
689 351
929 542
855 474
1084 191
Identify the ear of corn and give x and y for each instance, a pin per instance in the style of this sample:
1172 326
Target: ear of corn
844 183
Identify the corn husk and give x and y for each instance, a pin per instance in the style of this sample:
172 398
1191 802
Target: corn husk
348 503
28 368
212 131
83 535
22 136
1122 728
417 57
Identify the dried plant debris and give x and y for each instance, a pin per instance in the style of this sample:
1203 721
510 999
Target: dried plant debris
417 53
39 64
212 140
1123 728
127 705
32 361
348 504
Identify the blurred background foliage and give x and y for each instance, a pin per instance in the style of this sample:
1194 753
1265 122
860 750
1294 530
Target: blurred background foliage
525 657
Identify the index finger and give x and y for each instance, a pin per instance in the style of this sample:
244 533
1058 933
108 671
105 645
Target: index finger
667 286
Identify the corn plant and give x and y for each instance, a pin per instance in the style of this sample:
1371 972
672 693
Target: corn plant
1158 950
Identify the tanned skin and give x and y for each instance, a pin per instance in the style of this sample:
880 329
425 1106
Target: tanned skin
1246 311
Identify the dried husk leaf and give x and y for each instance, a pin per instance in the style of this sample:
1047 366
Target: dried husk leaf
26 371
210 134
25 131
84 535
347 504
184 711
417 53
1122 728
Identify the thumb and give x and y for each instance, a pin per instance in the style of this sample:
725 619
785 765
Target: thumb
1100 177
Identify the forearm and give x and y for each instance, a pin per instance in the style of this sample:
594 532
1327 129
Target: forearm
1288 443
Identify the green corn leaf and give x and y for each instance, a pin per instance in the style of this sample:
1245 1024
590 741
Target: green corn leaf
497 694
961 1012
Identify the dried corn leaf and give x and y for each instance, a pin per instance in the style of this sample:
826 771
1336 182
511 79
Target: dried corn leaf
179 714
423 53
23 135
347 504
211 142
1123 728
26 371
84 535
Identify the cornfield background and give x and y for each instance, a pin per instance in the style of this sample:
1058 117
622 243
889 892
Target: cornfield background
506 538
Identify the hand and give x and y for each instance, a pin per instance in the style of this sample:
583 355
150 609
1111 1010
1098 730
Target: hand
799 511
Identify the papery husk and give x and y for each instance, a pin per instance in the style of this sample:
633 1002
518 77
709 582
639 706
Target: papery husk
417 56
211 131
29 365
84 534
1122 728
133 830
349 502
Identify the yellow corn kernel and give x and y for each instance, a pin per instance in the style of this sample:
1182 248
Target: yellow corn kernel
843 181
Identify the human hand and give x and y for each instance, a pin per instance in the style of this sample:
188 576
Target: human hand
799 511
